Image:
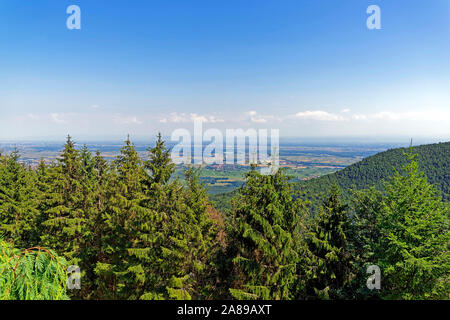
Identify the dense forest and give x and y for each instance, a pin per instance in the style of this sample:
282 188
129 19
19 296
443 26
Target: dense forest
372 171
137 233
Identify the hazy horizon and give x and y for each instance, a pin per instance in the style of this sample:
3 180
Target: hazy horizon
285 140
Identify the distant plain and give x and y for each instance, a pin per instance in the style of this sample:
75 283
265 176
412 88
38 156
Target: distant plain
302 161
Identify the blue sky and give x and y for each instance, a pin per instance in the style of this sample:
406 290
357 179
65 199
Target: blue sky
309 68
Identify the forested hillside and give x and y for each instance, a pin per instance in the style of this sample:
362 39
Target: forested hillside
434 160
137 233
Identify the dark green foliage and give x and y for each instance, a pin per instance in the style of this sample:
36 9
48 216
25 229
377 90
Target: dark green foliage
123 214
93 179
364 235
159 165
137 232
206 236
405 232
372 171
158 233
328 244
412 249
266 234
18 201
64 217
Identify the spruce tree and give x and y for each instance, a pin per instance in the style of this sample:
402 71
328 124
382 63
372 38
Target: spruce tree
160 166
64 219
123 213
414 236
152 225
266 234
173 241
44 189
18 202
92 191
204 231
174 235
168 281
329 245
364 235
97 225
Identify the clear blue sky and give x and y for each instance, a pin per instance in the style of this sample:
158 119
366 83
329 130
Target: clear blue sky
310 68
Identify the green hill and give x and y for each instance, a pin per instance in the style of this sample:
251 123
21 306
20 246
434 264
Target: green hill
434 160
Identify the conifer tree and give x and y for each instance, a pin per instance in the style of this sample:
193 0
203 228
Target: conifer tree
414 236
171 243
43 188
159 165
150 228
174 236
183 242
92 172
204 244
364 235
123 212
98 227
168 280
266 233
173 239
329 245
64 218
18 202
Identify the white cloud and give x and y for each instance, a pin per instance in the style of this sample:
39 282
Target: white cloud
358 117
175 117
436 115
254 117
259 120
124 119
206 119
33 116
55 117
387 115
95 106
426 121
319 115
